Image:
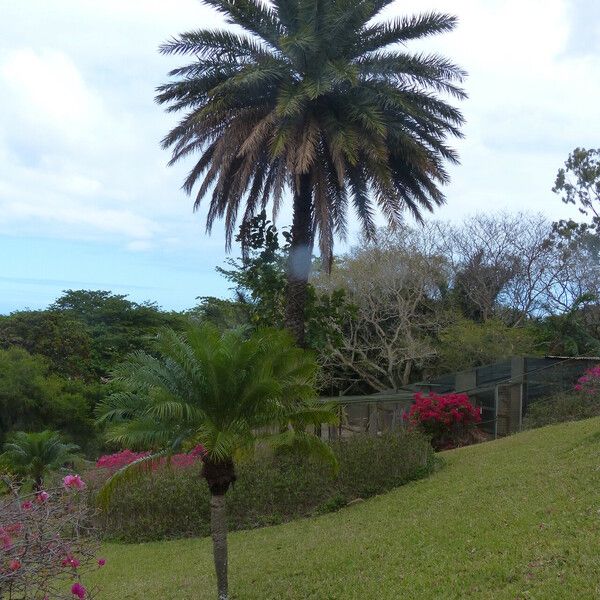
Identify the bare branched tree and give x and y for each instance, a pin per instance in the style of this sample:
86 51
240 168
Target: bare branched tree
395 286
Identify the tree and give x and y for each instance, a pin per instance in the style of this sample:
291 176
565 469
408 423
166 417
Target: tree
34 455
32 398
225 391
115 324
62 339
464 344
579 184
509 267
323 100
259 285
394 285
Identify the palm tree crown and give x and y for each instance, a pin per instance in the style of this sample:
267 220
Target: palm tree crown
217 389
224 391
35 454
322 98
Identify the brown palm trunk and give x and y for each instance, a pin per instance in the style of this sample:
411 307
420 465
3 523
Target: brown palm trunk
299 261
218 529
219 476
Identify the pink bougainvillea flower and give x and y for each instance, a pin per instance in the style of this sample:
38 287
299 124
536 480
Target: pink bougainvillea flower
78 590
14 565
27 505
6 540
70 561
42 497
74 482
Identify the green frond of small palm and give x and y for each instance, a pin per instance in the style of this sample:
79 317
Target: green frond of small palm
313 415
34 454
119 406
143 433
127 474
223 443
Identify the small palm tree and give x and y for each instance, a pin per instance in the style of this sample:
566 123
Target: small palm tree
226 391
34 455
320 98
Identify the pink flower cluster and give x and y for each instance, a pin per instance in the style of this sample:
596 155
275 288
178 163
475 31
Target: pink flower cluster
114 462
36 551
73 482
589 382
449 419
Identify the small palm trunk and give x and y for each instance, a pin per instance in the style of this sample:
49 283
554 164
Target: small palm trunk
219 476
218 525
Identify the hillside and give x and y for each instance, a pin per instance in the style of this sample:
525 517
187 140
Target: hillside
518 518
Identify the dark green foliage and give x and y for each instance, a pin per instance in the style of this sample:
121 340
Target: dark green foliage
465 344
566 406
58 336
33 399
259 285
116 325
575 332
32 456
269 490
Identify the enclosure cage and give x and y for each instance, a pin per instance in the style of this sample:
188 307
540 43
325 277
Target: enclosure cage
503 391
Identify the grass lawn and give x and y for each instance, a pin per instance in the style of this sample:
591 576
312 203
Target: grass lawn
514 519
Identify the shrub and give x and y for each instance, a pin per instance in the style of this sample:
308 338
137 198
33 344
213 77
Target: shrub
589 383
581 403
45 543
566 406
269 490
450 420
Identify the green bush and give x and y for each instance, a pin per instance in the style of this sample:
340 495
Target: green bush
567 406
172 503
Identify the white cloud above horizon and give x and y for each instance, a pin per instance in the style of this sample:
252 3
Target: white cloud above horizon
79 130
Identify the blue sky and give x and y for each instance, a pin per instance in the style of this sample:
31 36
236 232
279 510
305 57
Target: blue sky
86 198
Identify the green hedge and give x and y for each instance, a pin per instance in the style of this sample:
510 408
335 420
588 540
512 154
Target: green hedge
174 503
567 406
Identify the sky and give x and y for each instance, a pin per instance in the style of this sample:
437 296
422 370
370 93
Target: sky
87 199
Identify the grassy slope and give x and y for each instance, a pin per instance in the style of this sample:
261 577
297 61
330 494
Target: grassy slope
517 519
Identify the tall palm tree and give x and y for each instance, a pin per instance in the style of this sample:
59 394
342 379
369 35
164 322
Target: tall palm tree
34 455
225 391
321 98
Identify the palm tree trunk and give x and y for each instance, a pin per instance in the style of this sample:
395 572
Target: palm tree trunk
219 476
218 527
299 260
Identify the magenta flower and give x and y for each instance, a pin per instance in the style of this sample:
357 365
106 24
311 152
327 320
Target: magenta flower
74 482
70 561
27 505
42 497
78 590
101 562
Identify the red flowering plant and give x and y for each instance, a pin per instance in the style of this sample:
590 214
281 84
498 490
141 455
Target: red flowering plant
450 420
114 462
47 544
589 382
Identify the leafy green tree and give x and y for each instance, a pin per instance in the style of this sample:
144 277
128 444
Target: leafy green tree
34 455
466 344
579 184
226 391
116 325
576 332
62 339
32 398
259 285
321 99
